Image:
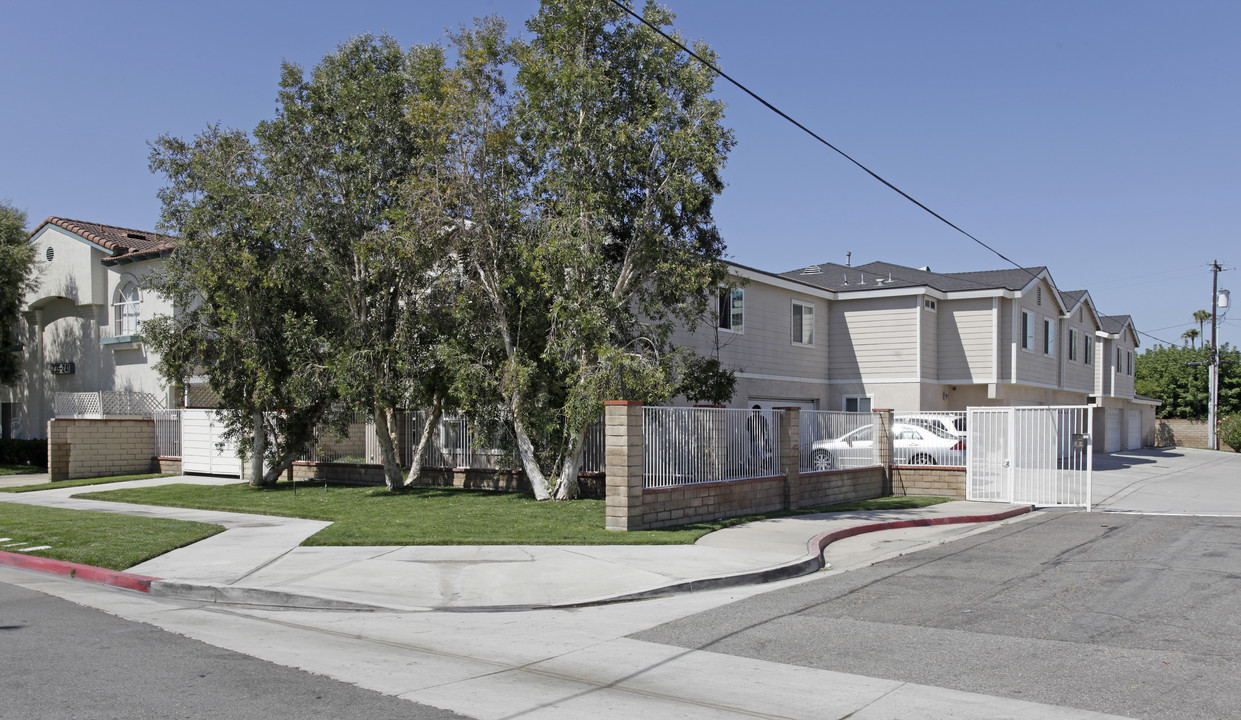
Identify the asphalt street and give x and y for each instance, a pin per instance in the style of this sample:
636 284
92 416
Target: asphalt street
1126 614
64 661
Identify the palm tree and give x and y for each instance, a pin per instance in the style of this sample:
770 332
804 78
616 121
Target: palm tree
1190 335
1202 316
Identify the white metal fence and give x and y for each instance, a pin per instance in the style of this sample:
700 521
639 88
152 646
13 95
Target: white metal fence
684 446
832 440
167 433
1037 455
106 403
929 438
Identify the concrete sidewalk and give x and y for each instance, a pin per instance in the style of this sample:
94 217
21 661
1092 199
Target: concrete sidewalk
259 560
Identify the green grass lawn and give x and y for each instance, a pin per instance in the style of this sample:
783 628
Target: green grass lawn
104 540
82 481
443 516
20 470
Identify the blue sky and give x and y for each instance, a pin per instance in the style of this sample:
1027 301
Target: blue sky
1098 138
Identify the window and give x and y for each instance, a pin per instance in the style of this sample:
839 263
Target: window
1049 336
1072 344
1089 350
803 323
1129 362
857 403
731 312
1118 366
1027 330
126 310
929 304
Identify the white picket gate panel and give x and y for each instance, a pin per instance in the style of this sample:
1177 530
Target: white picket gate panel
1036 455
201 431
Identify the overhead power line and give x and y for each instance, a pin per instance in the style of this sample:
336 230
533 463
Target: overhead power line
623 6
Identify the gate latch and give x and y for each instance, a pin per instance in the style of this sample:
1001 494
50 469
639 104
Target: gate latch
1080 441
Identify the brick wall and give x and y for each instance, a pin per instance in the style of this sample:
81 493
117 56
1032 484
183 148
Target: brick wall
923 480
825 488
166 465
95 448
1181 433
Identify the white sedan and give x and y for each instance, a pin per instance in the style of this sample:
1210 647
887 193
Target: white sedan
913 445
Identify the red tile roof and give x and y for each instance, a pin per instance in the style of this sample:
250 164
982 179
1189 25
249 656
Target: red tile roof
125 243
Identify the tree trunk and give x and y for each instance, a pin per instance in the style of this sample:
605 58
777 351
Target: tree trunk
387 448
415 463
530 463
567 487
538 483
259 437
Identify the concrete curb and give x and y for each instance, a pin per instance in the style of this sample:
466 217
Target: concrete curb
233 595
810 563
75 571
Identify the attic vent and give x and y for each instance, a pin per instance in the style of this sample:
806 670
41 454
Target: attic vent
1081 314
1039 300
812 270
135 236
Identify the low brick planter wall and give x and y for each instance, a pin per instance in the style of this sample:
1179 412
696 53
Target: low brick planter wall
682 504
924 480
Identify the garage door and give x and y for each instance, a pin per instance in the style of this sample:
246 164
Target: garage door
1135 431
1114 437
201 452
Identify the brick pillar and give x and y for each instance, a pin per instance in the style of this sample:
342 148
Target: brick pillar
790 455
623 464
58 449
884 444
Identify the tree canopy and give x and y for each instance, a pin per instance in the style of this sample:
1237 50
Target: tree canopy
16 278
516 234
1179 377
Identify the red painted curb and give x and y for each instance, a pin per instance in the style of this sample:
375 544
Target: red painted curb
821 541
88 573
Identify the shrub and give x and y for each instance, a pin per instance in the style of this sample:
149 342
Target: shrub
1230 432
24 452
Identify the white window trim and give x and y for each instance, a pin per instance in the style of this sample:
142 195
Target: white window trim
719 320
1088 350
930 304
793 328
1049 336
1026 328
1072 344
127 314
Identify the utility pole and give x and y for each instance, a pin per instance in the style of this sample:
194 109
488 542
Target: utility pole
1213 373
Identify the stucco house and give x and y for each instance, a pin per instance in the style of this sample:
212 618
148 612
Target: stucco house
840 337
79 330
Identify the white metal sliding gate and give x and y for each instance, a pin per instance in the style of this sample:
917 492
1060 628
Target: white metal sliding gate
1036 455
